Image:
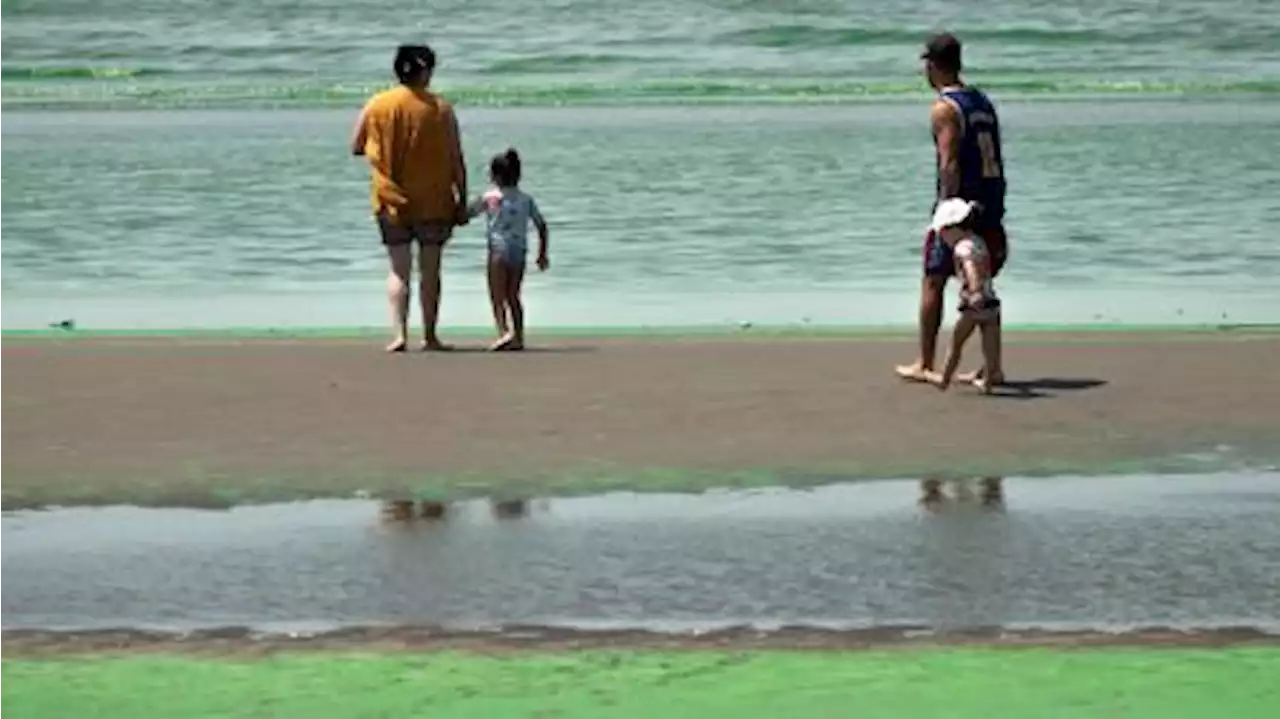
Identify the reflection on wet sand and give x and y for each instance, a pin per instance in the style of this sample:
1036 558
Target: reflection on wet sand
509 508
1184 551
985 491
405 510
935 495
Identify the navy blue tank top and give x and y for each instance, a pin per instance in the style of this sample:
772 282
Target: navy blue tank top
981 161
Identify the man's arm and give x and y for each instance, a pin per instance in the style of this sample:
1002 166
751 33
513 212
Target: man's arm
946 134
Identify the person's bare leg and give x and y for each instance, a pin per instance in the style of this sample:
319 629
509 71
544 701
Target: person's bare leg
429 294
978 377
990 355
995 369
515 278
401 259
959 335
497 274
930 320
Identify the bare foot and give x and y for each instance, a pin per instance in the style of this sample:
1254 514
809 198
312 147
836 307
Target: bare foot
516 346
937 380
977 379
982 386
434 345
913 372
398 345
503 343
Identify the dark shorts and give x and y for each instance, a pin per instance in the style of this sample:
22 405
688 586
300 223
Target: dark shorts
940 262
430 232
514 257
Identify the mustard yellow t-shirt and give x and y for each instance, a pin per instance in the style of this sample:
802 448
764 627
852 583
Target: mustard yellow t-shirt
409 140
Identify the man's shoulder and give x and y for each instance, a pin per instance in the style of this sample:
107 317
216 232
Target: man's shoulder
944 111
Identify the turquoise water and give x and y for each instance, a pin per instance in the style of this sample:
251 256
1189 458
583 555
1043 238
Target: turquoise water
184 164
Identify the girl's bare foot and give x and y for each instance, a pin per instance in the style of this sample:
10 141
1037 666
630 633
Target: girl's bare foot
969 377
503 343
398 345
982 385
937 380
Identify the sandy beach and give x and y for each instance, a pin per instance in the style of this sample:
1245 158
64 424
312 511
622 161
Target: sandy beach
187 420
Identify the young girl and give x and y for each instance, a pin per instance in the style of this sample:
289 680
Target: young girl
508 212
954 221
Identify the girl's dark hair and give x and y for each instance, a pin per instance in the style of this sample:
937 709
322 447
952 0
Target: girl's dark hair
505 168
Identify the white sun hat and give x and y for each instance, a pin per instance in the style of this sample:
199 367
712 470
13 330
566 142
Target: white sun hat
950 212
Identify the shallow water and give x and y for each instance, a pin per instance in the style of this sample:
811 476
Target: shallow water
1060 553
659 216
217 189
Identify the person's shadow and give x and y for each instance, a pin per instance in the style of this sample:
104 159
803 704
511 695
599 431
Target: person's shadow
1043 387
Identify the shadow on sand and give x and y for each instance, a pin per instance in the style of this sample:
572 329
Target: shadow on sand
470 349
1044 387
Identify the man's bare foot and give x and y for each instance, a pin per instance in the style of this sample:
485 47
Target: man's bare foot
916 372
434 345
503 343
398 345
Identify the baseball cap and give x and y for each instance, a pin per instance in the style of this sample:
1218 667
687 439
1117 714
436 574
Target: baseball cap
951 212
943 48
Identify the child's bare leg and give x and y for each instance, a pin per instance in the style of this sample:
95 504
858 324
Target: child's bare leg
990 355
959 335
995 369
497 272
515 279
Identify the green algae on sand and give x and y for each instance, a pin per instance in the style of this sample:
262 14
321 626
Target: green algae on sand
956 683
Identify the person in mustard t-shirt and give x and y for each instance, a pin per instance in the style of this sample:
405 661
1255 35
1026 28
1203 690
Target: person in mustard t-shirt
410 137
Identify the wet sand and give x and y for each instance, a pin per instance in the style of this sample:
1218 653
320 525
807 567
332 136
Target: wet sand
241 642
191 421
844 564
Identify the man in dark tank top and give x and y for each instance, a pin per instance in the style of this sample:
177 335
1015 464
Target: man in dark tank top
970 165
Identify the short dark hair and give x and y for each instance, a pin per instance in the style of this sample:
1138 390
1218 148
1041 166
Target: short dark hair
943 50
413 60
505 168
